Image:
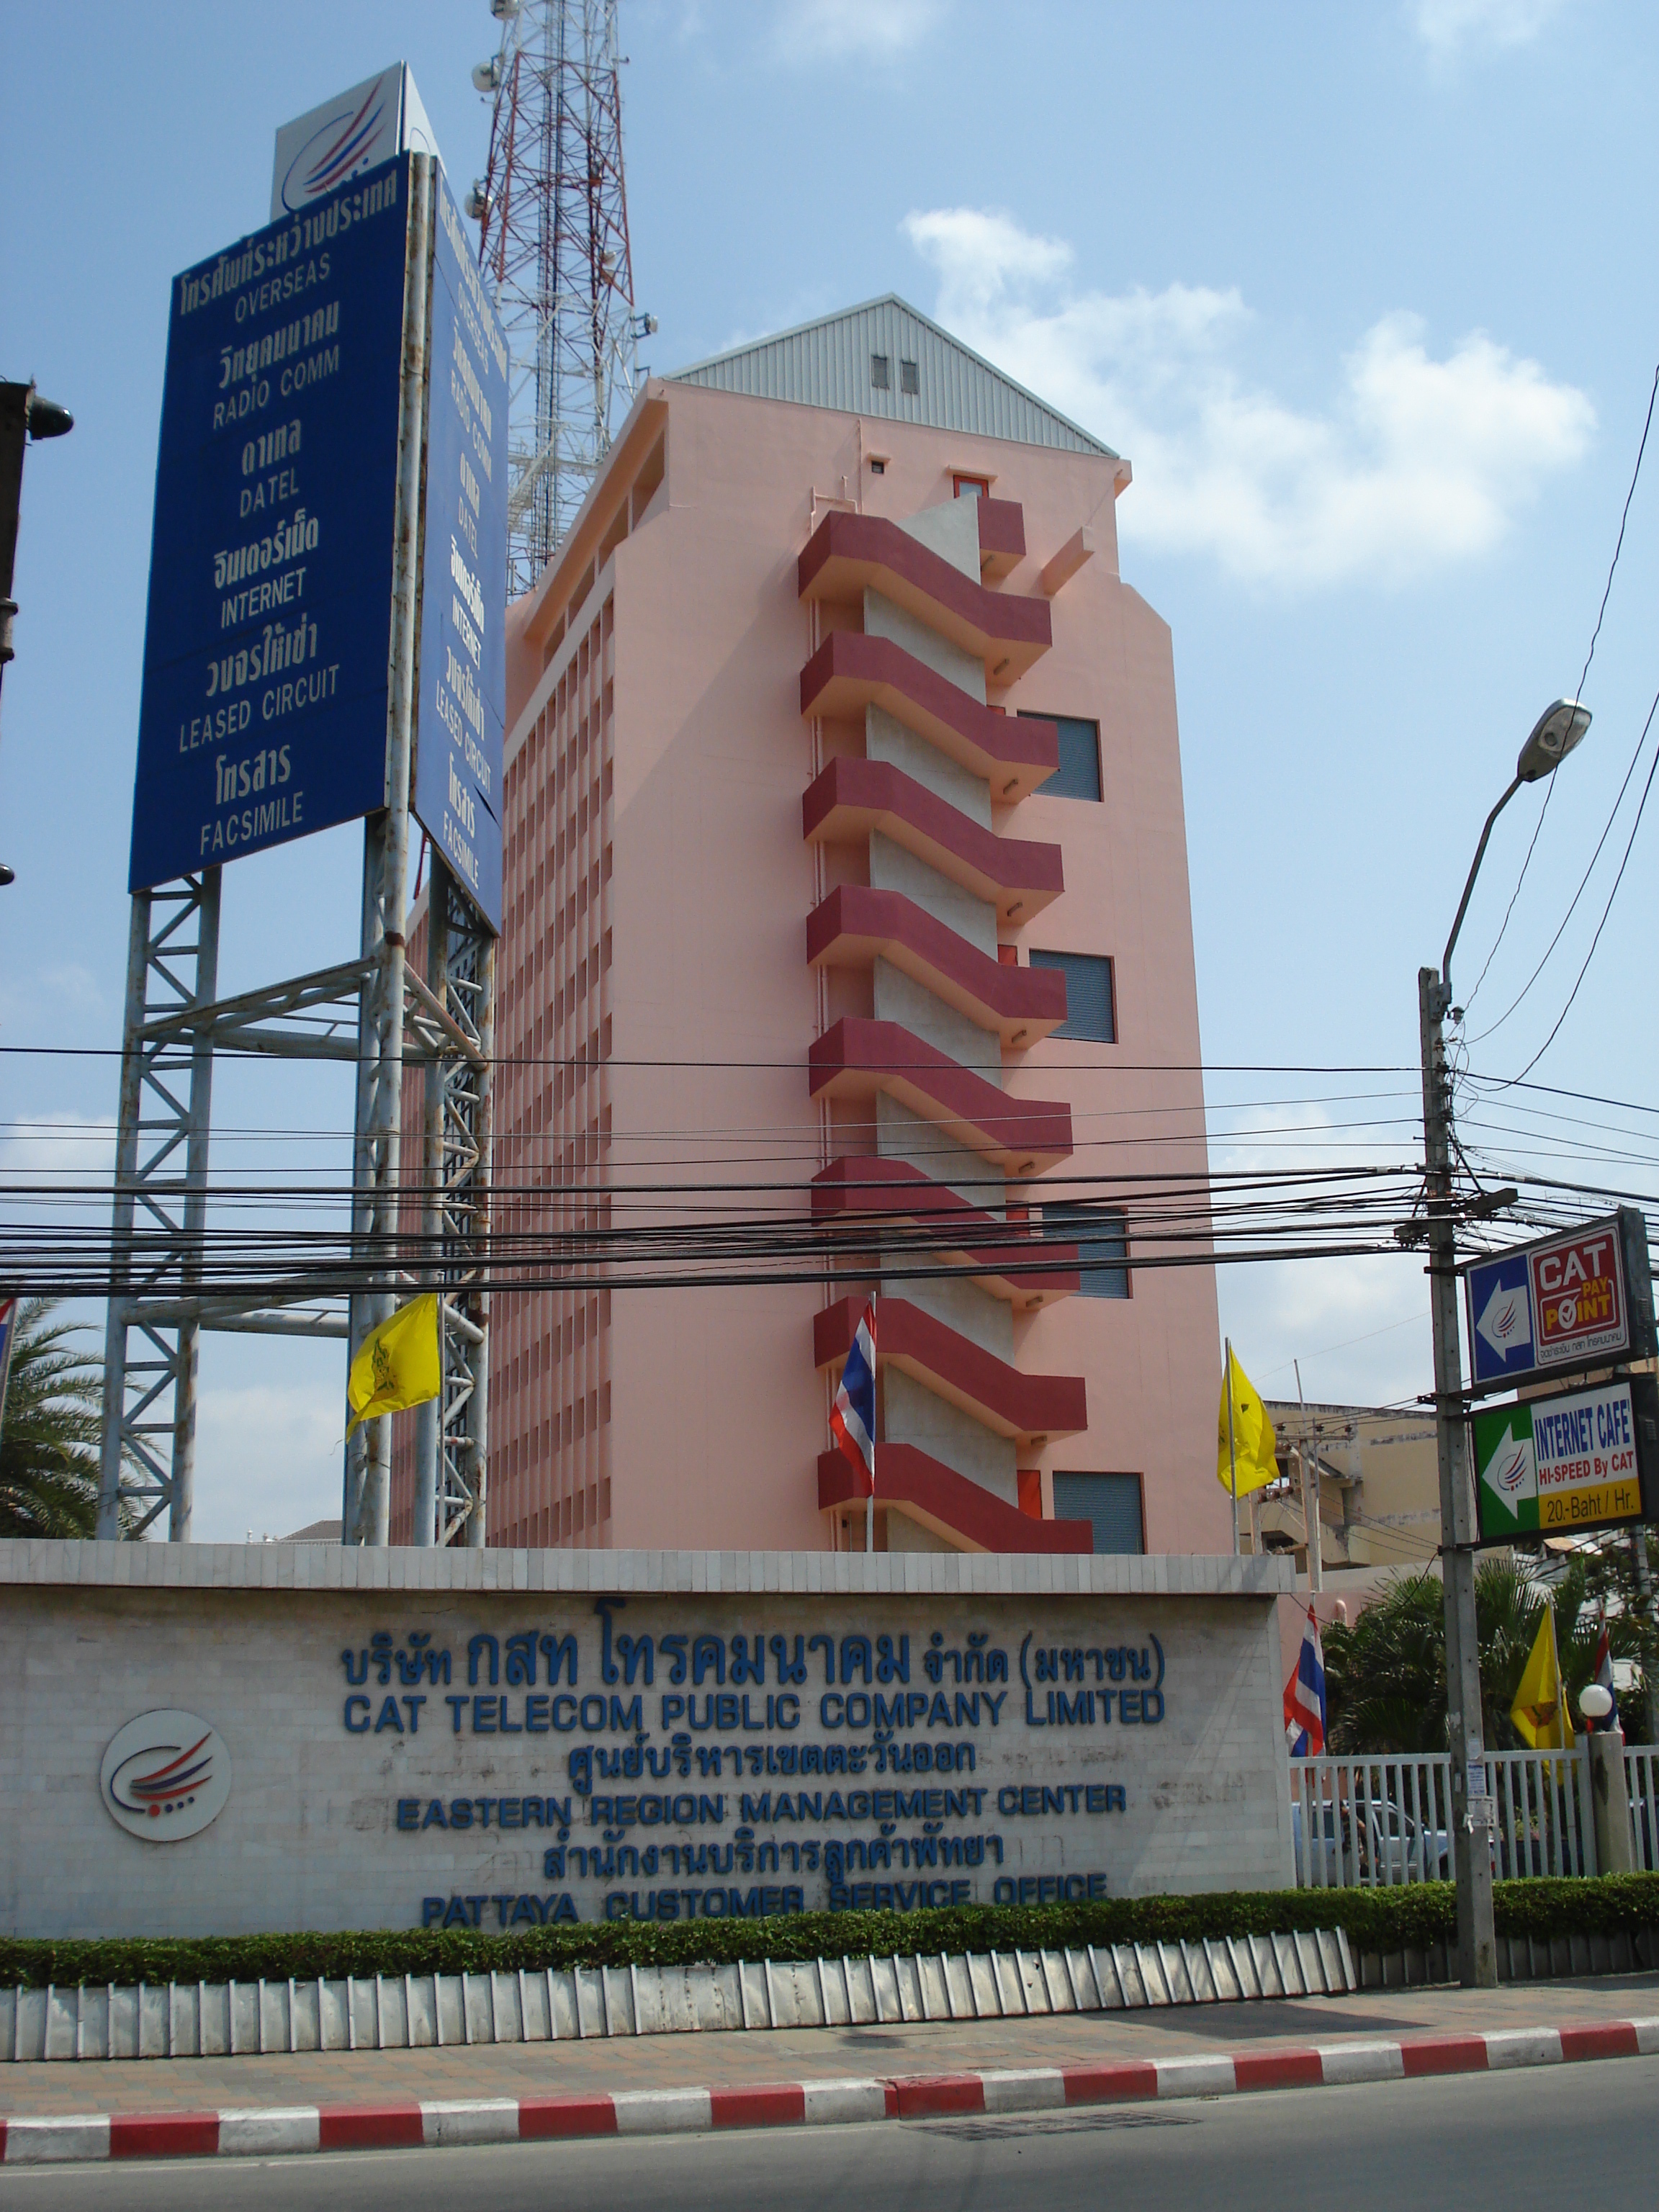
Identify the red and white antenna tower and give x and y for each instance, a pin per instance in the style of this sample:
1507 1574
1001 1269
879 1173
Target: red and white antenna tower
553 245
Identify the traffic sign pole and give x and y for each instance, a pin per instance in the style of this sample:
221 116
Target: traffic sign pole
1477 1949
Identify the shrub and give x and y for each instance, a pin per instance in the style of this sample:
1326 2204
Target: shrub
1376 1920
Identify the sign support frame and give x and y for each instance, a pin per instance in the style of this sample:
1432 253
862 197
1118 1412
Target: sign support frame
172 1024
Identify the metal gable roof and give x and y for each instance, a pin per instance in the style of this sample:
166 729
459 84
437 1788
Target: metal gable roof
827 364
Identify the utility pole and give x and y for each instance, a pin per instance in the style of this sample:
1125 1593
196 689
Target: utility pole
1557 732
1477 1950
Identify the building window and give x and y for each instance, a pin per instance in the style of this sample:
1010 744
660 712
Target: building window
1078 774
881 375
972 487
1100 1234
909 377
1090 998
1110 1503
877 468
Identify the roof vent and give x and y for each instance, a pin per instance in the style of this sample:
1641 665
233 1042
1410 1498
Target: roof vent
909 377
881 374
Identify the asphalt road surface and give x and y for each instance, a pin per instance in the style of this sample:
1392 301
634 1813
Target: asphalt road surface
1552 2136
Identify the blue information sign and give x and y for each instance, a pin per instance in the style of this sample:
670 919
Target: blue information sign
457 792
263 712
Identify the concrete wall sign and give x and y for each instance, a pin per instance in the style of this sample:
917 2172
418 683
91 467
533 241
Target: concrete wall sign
443 1751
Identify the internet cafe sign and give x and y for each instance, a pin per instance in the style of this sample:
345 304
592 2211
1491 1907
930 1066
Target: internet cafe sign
1581 1459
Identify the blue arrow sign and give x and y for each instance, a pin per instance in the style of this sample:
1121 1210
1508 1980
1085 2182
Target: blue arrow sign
1501 1334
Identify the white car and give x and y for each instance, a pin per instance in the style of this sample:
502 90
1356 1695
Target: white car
1369 1844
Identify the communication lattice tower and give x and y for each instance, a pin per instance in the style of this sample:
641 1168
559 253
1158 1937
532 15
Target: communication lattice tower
553 245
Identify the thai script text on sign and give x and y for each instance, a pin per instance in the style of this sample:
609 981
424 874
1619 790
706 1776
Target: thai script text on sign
851 1769
262 714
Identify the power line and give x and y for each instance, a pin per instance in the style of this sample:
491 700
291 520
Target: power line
1606 911
1583 678
1606 832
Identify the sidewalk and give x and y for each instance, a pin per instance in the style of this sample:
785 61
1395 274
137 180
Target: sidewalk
740 2060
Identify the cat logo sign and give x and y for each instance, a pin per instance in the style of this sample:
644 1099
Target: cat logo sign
1578 1296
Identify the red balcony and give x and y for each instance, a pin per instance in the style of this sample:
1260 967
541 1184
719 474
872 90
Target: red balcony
855 925
855 1059
849 553
853 796
856 1191
1030 1407
1001 536
962 1512
850 671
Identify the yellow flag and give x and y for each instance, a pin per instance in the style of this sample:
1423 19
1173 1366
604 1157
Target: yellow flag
1252 1441
399 1364
1539 1712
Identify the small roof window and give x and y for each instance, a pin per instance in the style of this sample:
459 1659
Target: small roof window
909 377
881 372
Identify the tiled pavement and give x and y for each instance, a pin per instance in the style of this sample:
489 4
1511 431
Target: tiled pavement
738 2059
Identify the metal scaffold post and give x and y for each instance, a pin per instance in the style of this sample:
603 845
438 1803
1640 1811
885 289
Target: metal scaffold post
451 1431
367 1507
146 1458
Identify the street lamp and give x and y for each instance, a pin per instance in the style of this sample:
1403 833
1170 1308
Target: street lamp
25 416
1553 737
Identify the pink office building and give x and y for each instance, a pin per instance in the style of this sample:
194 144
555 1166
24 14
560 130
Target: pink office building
846 892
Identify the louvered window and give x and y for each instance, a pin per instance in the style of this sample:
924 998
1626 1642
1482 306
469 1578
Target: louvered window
909 377
881 375
1110 1503
1091 1007
1100 1234
1078 774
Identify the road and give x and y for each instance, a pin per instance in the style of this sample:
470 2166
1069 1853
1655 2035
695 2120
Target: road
1550 2137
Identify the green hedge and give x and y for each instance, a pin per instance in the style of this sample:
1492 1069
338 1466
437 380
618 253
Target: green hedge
1377 1920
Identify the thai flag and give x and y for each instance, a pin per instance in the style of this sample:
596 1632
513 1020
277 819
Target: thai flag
1602 1673
1304 1696
853 1417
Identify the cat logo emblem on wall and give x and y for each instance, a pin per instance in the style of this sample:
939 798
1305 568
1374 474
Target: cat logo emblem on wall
165 1776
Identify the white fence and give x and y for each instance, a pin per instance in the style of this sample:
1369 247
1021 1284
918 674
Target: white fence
1642 1780
1380 1823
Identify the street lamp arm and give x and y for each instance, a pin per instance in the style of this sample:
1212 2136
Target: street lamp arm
1468 890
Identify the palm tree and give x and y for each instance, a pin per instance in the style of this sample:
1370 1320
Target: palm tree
52 1425
1386 1673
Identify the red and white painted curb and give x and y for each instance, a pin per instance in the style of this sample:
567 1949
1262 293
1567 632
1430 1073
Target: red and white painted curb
267 2131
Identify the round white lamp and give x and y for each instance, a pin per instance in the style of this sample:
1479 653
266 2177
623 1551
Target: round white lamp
1594 1702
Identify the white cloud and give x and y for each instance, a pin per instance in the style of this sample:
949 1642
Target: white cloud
1358 1324
59 991
268 1458
1445 27
1413 463
838 30
57 1148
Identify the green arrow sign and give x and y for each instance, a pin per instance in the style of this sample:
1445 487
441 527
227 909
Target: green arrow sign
1506 1473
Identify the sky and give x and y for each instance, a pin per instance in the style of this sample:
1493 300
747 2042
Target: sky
1362 293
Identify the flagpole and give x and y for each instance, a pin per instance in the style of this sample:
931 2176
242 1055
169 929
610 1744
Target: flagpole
870 1503
1232 1449
1312 1529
